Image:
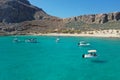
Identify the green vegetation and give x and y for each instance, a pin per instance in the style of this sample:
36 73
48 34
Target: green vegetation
86 27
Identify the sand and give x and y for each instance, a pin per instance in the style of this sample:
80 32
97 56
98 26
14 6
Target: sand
100 33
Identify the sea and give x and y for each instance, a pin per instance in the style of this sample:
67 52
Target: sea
62 60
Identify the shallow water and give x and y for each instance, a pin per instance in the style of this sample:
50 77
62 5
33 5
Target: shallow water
51 60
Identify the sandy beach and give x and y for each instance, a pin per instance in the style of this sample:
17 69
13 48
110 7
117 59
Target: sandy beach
101 33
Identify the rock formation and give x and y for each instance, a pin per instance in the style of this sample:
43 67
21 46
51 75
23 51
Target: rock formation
96 18
14 11
21 17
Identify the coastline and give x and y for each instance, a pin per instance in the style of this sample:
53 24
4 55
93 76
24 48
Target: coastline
78 35
101 33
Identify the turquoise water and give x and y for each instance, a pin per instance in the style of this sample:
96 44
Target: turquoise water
48 60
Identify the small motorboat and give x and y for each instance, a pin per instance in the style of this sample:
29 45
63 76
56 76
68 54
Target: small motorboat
90 54
31 40
16 40
83 43
58 39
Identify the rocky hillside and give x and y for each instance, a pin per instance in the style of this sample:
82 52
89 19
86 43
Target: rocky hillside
14 11
93 22
96 18
21 17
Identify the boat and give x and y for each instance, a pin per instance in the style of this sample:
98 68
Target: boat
90 54
31 40
57 40
83 43
16 40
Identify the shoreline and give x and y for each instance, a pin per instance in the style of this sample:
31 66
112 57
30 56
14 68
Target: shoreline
111 33
78 35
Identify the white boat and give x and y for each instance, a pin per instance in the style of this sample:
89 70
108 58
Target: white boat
31 40
57 39
92 51
90 54
83 43
16 40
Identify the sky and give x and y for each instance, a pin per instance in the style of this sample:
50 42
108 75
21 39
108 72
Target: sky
70 8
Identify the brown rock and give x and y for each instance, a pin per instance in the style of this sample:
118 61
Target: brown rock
13 11
110 16
101 18
98 18
116 16
87 18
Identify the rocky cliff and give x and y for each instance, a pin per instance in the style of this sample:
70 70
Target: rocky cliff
21 17
14 11
95 18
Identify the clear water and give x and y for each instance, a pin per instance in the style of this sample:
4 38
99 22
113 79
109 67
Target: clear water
48 60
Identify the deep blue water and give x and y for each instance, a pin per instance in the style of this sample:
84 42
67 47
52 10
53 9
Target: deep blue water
48 60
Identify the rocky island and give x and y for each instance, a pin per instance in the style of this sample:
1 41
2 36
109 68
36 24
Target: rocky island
20 17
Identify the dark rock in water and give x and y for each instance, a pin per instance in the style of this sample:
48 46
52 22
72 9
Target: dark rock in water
14 11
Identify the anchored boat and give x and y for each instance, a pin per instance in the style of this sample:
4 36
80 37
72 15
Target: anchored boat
90 54
83 43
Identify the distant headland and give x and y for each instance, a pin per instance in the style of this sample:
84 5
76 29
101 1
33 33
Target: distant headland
20 17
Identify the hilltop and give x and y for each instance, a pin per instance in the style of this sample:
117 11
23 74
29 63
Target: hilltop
96 18
21 17
15 11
